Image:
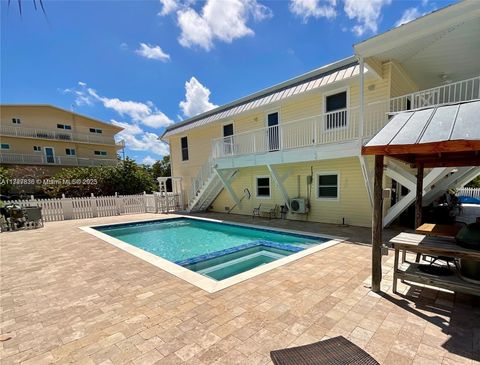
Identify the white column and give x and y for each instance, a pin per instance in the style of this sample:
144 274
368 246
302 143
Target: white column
362 100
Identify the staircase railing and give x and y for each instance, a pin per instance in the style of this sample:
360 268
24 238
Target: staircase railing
203 175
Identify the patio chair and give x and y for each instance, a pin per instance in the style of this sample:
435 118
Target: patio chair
256 211
337 350
33 216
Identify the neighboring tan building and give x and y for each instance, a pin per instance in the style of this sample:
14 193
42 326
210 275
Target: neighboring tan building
51 137
300 141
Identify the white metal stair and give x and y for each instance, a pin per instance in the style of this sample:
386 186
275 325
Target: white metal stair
436 183
205 187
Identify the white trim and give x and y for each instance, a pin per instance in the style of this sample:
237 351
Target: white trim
230 121
200 281
269 186
334 92
317 185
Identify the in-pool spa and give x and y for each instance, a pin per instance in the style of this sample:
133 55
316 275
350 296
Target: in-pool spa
213 249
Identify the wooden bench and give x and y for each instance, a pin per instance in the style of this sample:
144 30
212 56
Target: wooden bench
432 246
265 209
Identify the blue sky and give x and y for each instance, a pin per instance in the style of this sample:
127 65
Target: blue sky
146 64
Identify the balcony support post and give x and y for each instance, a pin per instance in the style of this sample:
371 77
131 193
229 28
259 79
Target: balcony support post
227 185
279 182
362 100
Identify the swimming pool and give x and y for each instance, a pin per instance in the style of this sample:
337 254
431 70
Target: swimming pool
215 250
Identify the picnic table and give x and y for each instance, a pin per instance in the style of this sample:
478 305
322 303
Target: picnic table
434 246
439 230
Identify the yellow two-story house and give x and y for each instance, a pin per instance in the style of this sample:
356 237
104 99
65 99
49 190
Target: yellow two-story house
51 137
296 146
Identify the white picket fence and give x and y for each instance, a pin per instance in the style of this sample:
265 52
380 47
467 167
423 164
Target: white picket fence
473 192
104 206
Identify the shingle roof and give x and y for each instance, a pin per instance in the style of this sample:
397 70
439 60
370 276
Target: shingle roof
318 78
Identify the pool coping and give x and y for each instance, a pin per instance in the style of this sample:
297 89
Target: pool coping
196 279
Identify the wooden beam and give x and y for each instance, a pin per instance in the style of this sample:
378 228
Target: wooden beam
377 224
419 197
423 148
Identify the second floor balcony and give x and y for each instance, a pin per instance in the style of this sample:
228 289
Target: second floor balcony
9 158
338 128
58 135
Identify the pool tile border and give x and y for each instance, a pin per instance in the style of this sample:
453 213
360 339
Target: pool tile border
201 281
257 243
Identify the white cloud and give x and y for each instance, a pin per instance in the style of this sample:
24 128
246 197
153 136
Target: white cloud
366 13
313 8
137 139
148 160
408 15
146 113
168 6
152 52
224 20
197 98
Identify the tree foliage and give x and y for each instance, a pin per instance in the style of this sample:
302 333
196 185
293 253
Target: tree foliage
475 183
125 178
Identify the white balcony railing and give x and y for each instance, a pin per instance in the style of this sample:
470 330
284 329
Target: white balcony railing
450 93
59 135
342 125
40 159
333 127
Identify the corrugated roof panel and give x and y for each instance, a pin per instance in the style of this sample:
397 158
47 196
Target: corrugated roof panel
387 133
467 122
440 125
411 131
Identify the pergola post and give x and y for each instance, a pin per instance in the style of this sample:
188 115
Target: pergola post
419 196
377 225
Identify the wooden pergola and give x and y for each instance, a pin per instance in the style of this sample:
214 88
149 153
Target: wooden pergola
443 136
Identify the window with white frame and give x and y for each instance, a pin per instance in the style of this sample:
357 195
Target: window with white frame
64 126
16 120
70 151
4 146
96 130
37 148
336 110
327 186
184 145
100 153
263 187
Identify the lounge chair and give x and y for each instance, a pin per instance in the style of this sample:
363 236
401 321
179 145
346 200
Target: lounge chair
334 351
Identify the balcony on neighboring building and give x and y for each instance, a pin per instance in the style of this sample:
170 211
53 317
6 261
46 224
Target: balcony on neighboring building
58 135
40 159
329 135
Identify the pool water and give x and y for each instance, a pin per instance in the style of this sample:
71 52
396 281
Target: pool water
217 250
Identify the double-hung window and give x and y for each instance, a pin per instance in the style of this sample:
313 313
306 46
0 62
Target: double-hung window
263 187
327 187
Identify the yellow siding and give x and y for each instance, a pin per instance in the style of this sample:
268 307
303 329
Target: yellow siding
400 81
25 146
46 117
353 204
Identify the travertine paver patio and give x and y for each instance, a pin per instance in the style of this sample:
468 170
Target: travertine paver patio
68 297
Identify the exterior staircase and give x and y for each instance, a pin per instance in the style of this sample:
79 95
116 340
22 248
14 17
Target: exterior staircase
435 183
205 187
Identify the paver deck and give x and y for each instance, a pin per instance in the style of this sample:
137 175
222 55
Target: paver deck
69 297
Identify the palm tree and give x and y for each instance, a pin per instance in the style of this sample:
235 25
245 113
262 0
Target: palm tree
40 2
